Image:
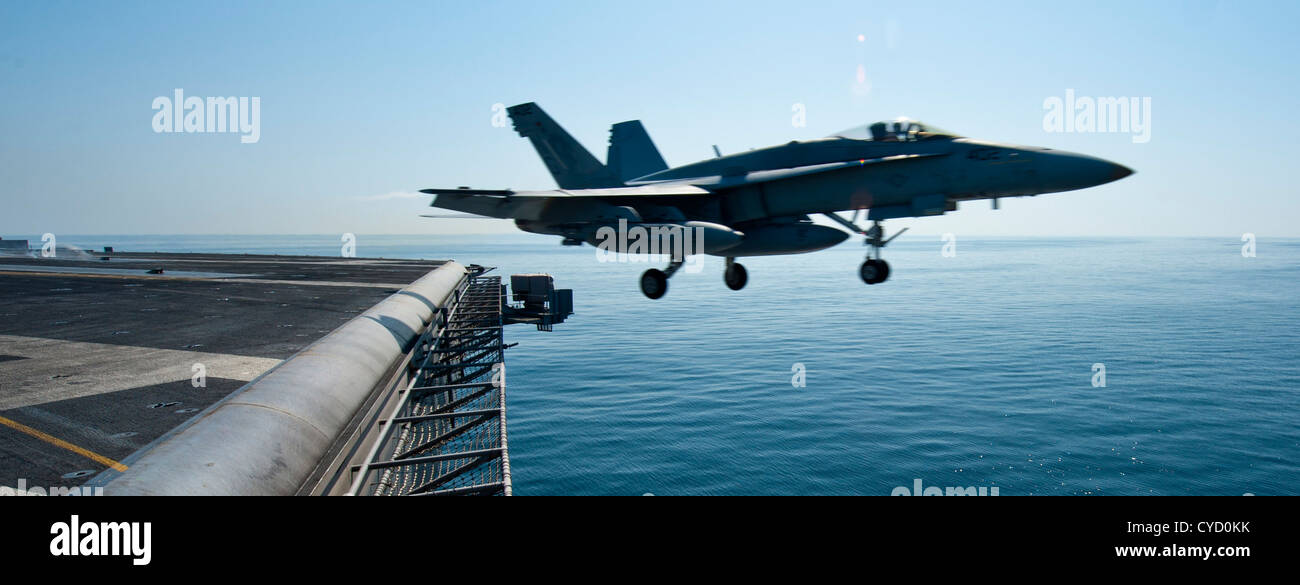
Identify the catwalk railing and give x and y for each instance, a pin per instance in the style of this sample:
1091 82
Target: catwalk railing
444 432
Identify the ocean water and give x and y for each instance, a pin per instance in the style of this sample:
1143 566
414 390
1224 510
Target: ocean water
975 370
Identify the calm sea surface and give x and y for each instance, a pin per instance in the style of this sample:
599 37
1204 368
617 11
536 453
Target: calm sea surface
972 370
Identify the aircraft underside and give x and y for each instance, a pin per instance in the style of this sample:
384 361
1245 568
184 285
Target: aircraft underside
677 240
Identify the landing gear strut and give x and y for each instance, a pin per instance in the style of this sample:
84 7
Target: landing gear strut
654 282
876 270
735 276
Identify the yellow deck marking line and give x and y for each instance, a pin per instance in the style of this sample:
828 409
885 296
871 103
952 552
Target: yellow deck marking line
57 442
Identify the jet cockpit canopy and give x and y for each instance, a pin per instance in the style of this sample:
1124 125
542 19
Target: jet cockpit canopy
900 130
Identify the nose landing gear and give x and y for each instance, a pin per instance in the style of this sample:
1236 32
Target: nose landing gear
876 270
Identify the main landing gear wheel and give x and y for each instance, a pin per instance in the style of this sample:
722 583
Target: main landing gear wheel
654 283
874 271
736 276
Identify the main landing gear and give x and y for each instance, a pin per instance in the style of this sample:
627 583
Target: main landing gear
654 282
735 276
876 270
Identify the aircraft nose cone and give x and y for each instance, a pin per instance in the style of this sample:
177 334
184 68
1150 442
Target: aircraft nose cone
1067 171
1119 171
1099 171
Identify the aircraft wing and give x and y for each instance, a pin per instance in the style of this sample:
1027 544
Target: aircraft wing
511 204
534 205
659 189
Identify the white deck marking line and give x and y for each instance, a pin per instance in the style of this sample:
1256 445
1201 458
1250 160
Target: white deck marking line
55 369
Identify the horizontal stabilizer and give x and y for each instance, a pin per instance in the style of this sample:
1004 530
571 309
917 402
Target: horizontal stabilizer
457 216
468 191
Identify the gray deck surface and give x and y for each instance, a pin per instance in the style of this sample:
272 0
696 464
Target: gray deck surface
97 356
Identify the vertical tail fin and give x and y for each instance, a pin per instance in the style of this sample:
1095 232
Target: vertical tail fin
572 166
631 152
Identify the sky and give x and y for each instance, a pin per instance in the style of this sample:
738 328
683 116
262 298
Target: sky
362 105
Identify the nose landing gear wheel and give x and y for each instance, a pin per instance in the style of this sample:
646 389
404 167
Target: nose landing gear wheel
874 271
654 283
735 276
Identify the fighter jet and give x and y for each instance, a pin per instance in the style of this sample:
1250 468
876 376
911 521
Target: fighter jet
758 203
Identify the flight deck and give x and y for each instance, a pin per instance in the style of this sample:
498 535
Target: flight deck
103 356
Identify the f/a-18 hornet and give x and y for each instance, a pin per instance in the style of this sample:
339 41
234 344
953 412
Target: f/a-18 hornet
757 203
